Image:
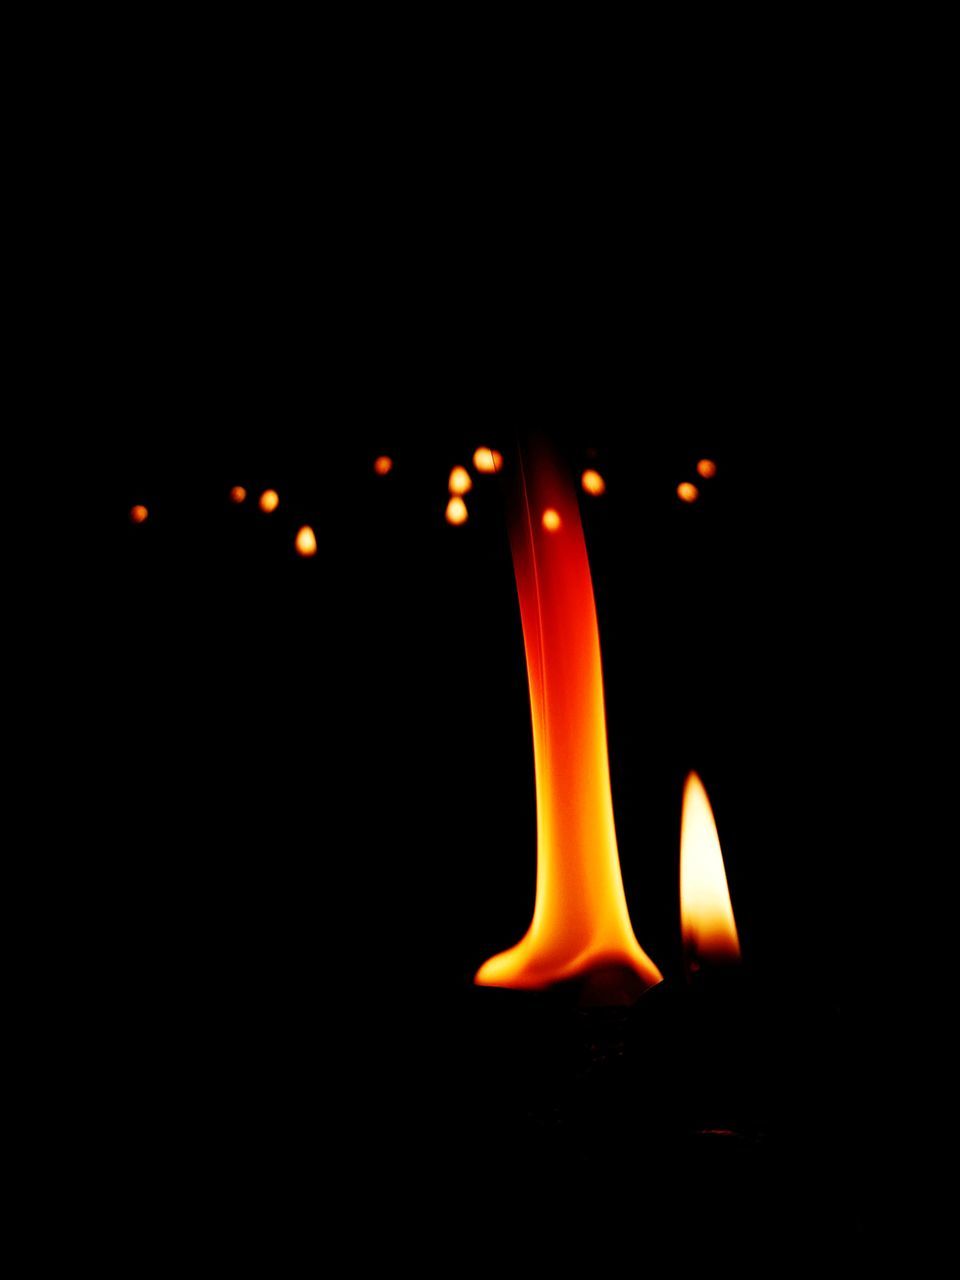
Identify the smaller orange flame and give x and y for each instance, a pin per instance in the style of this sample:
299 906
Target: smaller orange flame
706 468
383 465
488 461
593 482
238 494
706 913
460 481
551 520
687 492
306 542
456 511
269 500
138 514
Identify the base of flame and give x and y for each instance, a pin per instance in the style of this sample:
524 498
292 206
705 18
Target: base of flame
609 985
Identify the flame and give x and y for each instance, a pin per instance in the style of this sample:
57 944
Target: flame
551 520
593 482
580 920
238 494
460 481
487 461
706 468
306 542
138 514
687 492
269 500
456 511
383 465
706 913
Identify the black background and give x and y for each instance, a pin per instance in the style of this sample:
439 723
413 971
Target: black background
308 785
317 817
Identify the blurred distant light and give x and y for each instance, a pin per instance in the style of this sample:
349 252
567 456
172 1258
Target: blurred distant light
707 468
138 514
238 494
687 492
383 465
269 500
551 520
460 481
487 461
456 511
306 542
593 482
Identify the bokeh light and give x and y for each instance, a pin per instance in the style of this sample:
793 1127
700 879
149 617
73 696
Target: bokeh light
306 542
456 511
487 461
460 481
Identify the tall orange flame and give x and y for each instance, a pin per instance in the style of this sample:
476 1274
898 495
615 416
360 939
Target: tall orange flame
706 913
580 920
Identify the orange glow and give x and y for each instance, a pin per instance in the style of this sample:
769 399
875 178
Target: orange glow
593 482
306 542
460 481
687 492
383 465
706 913
706 468
138 514
551 520
456 511
488 461
238 494
269 500
580 924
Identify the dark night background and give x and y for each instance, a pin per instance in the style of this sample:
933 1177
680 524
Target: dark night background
311 805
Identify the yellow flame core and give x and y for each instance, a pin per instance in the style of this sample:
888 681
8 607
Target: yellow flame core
269 500
687 492
706 913
593 482
580 920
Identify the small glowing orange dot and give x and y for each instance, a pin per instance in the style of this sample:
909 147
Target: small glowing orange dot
238 494
138 514
460 481
551 520
383 465
269 500
306 542
487 461
707 468
687 492
456 511
593 482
